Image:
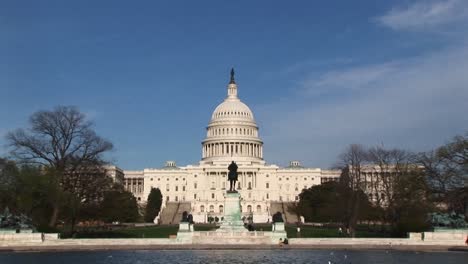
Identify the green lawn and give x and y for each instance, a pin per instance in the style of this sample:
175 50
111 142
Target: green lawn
134 232
205 227
317 232
167 230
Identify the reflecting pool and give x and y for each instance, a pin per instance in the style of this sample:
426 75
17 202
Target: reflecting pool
285 256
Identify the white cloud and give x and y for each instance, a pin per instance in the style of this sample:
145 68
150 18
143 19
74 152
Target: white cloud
352 78
426 15
418 105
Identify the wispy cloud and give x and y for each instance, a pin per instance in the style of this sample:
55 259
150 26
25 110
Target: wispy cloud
350 78
417 103
426 15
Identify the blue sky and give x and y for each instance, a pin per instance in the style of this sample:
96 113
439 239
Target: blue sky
318 76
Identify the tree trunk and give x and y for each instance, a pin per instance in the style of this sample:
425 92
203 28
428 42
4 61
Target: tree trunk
354 215
54 216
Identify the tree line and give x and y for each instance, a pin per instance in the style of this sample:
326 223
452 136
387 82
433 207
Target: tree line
57 173
393 187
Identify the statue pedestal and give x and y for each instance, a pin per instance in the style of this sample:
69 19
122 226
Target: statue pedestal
232 230
278 227
232 214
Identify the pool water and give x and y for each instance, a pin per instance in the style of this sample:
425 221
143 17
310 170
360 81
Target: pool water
286 256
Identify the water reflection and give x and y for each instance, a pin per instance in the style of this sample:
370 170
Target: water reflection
235 256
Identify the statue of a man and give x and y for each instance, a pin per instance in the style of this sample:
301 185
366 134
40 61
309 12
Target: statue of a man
232 176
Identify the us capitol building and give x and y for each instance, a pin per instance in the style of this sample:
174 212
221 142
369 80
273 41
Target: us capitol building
232 135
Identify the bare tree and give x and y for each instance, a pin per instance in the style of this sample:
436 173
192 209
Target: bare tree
456 152
389 166
446 169
61 140
351 162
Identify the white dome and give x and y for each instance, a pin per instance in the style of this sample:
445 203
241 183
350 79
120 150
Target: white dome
232 133
232 109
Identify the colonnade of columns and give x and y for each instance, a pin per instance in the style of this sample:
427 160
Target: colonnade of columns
233 148
134 185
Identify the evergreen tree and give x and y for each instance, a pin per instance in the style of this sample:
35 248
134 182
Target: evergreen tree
153 205
119 205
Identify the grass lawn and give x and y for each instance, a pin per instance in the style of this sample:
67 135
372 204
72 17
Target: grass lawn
326 232
133 232
204 227
164 231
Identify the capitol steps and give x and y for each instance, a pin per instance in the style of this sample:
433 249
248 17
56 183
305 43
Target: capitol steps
172 213
168 213
183 207
284 209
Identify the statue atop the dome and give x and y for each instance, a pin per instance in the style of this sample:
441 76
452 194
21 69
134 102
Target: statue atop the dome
232 176
232 77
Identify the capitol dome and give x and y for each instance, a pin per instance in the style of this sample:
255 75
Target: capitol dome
232 133
232 108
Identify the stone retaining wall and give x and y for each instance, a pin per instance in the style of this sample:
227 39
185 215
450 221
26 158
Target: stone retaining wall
33 237
445 235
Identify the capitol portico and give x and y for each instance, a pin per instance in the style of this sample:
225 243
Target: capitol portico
231 135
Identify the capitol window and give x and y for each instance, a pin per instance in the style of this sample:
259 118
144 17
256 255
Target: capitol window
211 208
212 196
151 179
202 209
194 185
267 185
177 188
183 188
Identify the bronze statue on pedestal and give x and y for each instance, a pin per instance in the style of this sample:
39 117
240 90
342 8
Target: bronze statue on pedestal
232 176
